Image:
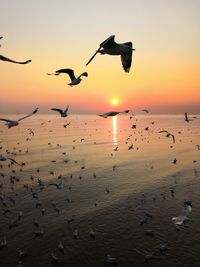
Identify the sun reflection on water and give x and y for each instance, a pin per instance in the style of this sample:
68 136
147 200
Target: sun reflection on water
114 122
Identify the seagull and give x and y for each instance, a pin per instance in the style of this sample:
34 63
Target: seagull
70 72
183 217
2 158
110 259
145 110
186 117
112 113
14 61
110 47
168 134
10 123
63 113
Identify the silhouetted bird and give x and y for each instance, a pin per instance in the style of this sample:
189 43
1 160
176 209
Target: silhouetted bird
63 113
110 47
10 123
70 72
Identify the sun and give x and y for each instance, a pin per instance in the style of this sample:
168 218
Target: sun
115 101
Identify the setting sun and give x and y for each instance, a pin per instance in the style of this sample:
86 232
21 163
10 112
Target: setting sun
115 101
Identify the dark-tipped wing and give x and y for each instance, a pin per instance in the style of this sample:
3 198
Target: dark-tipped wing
109 42
163 131
173 137
5 120
92 57
84 74
70 72
14 161
127 58
57 109
66 109
13 61
29 115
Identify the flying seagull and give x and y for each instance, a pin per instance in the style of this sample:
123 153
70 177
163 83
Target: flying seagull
70 72
14 61
11 123
2 158
112 113
145 110
168 134
63 113
110 47
186 117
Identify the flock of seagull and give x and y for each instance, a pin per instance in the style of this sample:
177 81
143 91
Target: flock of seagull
110 47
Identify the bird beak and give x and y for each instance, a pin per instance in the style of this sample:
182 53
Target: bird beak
133 49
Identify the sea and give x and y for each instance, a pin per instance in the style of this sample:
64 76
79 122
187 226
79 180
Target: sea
105 188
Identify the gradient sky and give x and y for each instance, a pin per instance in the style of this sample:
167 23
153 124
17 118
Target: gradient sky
165 73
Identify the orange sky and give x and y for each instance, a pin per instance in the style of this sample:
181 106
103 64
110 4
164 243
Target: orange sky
165 71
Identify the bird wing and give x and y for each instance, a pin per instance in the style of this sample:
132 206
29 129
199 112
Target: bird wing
57 109
70 72
173 137
163 132
127 58
66 109
30 114
108 43
5 120
84 74
14 161
13 61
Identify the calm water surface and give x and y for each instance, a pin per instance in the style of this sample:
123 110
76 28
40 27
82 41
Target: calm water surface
104 187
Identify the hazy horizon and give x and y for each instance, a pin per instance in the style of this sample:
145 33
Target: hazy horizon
164 76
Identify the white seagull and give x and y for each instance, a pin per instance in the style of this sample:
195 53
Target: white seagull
110 47
70 72
112 113
183 217
63 113
11 123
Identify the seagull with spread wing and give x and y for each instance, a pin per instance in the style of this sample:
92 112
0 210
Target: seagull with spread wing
110 47
70 72
12 123
2 158
112 113
168 135
63 113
